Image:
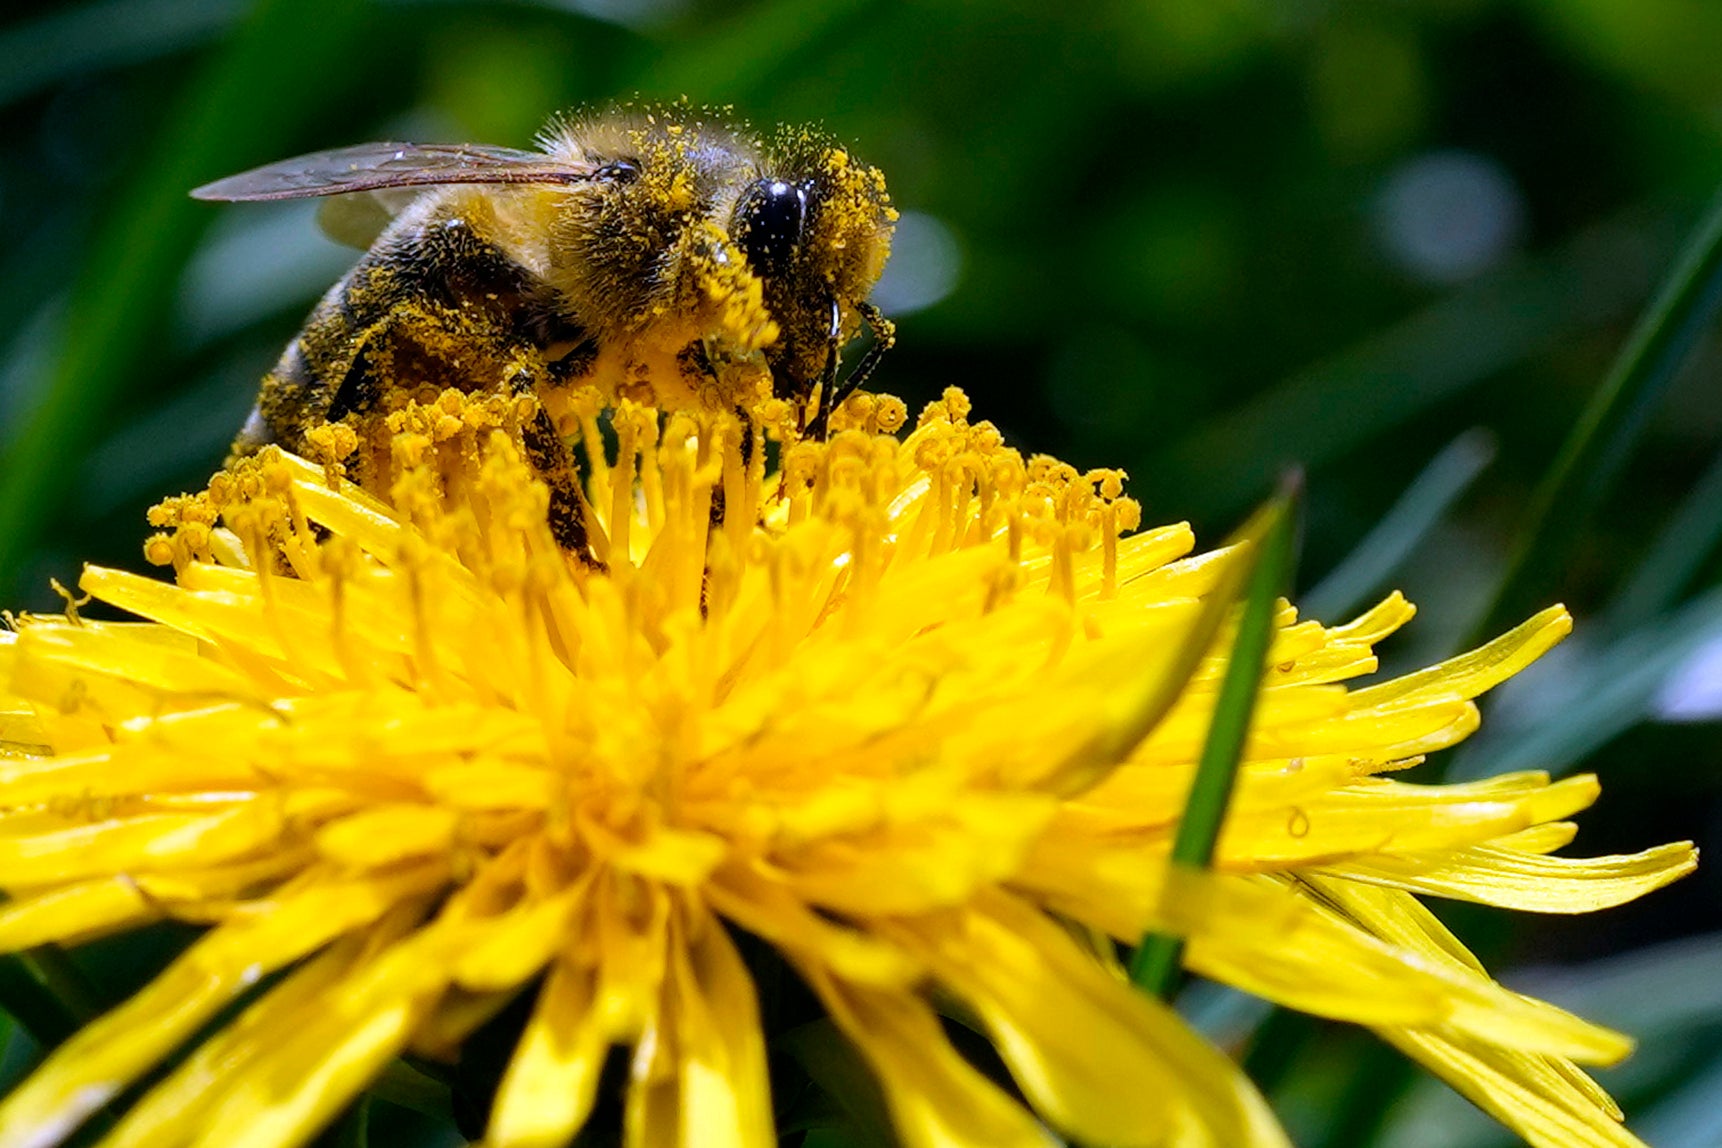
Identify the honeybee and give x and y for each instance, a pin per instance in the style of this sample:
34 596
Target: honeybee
668 255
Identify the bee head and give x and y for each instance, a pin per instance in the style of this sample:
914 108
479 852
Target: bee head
816 229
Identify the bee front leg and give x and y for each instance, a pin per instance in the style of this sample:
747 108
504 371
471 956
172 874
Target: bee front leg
550 457
884 338
828 377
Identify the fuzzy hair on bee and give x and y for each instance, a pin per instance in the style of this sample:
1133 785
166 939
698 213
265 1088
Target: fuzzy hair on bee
663 254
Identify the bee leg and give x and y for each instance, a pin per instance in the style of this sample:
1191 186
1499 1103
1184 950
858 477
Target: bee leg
361 387
884 338
550 457
576 364
746 436
828 377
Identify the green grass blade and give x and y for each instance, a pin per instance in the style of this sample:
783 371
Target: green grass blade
1155 964
29 1002
1606 432
241 110
405 1086
837 1069
353 1130
1431 356
1674 559
1366 570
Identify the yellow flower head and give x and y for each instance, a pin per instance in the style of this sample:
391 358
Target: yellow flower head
907 714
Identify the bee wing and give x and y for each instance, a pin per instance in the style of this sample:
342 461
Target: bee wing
358 218
375 166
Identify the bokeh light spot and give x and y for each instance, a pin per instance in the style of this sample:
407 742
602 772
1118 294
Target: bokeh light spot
1448 215
926 264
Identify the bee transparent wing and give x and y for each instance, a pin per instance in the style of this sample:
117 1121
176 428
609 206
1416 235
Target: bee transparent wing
376 166
358 218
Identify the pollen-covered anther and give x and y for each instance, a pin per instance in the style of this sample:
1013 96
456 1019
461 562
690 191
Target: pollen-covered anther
331 445
952 406
934 449
638 420
158 549
802 462
195 536
1108 482
889 413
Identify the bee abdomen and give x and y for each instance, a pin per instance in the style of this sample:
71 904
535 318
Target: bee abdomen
436 301
295 394
283 401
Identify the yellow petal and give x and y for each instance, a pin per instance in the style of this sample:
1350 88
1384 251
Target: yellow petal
1095 1056
623 935
73 914
168 1113
673 856
547 1092
700 1077
1377 815
510 949
144 843
1482 669
768 910
1376 623
210 616
1275 945
23 734
936 1099
133 654
302 1091
1480 1009
123 771
385 834
493 785
1515 879
105 1056
305 1071
1531 1095
980 839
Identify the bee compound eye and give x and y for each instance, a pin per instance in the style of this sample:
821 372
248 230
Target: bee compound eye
619 171
769 222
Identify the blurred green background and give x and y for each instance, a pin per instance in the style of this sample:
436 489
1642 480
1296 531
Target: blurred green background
1399 242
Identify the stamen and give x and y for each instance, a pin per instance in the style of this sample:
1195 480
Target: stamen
339 564
627 420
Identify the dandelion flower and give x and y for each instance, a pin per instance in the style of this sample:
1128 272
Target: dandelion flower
913 717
